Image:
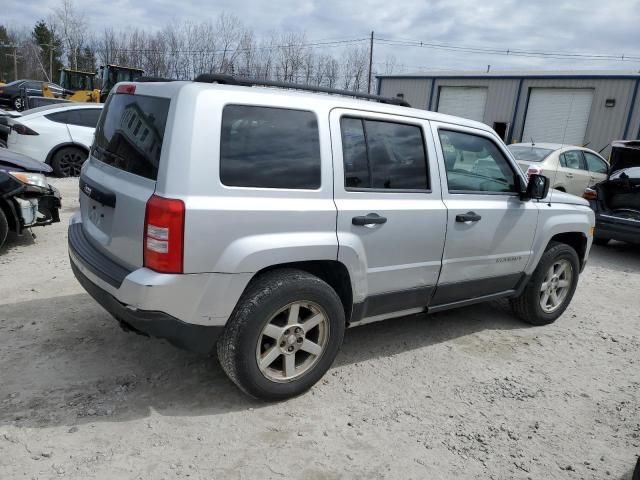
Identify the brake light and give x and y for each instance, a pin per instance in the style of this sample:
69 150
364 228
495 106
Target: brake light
164 234
127 89
590 194
21 129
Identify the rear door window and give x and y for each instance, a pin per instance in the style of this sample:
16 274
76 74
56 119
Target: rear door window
383 155
266 147
572 159
129 135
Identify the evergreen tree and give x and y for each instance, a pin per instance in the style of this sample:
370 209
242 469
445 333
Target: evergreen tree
50 47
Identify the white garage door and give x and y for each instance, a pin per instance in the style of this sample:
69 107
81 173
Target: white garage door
558 115
466 102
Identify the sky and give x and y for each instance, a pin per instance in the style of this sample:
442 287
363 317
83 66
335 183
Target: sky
578 26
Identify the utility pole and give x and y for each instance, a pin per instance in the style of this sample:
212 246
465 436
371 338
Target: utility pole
15 58
370 62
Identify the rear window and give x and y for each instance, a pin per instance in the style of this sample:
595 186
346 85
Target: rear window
529 154
265 147
130 133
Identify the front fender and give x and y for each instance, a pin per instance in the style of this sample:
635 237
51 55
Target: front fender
555 219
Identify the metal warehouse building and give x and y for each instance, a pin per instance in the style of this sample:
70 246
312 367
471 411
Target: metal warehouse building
577 108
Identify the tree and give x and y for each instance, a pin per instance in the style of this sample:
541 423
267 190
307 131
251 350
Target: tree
73 26
6 63
49 49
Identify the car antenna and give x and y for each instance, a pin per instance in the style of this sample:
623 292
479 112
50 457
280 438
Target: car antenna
533 144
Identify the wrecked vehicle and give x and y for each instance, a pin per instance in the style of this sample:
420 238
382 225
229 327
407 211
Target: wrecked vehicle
616 201
26 199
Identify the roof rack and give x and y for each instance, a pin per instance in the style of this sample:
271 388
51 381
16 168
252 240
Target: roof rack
250 82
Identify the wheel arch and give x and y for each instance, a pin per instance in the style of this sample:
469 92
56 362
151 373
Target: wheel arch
12 216
333 272
576 240
60 146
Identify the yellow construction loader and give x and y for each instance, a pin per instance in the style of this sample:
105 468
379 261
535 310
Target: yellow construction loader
78 86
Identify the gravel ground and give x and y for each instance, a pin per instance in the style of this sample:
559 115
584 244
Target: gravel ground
470 394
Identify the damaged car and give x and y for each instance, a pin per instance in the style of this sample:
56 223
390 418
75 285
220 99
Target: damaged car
616 201
26 199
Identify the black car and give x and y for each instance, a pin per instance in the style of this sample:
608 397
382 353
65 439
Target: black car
12 93
616 201
26 199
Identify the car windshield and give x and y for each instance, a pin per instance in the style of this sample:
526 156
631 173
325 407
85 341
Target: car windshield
529 153
15 82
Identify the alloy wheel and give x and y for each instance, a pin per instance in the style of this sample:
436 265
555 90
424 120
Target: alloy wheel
292 341
70 163
556 285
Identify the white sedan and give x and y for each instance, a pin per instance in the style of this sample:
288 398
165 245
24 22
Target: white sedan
59 135
569 168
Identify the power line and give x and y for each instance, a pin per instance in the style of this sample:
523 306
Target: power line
332 44
508 51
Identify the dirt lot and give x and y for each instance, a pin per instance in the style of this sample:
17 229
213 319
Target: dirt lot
471 393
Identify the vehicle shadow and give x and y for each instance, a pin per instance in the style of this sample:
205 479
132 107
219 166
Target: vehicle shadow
64 361
617 256
14 241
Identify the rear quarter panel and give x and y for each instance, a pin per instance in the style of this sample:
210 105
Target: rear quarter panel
234 229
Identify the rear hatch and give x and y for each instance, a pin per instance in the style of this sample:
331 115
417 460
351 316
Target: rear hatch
121 173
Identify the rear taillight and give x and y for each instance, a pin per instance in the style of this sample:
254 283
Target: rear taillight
21 129
127 89
590 194
533 170
164 234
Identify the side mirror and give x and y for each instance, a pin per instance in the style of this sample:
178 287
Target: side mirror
538 187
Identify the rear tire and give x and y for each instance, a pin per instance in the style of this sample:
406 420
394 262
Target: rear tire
282 317
601 241
68 161
555 277
4 228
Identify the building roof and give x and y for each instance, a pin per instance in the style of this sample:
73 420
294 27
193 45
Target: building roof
519 74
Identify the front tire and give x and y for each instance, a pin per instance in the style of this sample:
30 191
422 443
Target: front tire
68 161
283 335
551 287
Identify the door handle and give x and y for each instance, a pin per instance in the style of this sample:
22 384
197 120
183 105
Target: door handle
468 217
569 175
368 219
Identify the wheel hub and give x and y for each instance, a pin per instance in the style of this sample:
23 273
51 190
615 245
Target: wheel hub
291 339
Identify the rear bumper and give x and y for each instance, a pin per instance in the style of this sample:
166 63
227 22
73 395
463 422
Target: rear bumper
189 310
195 338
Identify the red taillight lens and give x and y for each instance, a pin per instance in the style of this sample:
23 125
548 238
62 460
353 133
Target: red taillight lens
590 194
164 234
533 170
21 129
126 89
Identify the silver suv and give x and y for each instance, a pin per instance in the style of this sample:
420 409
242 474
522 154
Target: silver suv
264 221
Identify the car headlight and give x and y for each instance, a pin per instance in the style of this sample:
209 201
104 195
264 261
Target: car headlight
35 179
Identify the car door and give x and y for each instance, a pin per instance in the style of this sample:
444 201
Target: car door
572 172
82 124
490 230
597 166
391 218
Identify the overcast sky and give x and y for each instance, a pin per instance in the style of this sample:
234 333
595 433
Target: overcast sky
583 26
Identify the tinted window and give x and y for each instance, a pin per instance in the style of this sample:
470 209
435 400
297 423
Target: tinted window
356 164
595 163
383 155
572 159
36 85
529 154
117 145
59 117
475 164
266 147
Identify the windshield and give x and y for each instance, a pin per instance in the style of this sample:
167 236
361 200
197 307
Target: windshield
528 153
